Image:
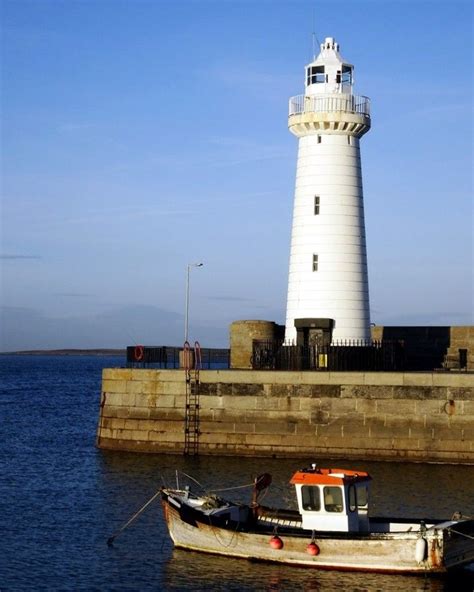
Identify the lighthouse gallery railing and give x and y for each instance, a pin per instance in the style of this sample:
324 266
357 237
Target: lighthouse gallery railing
317 104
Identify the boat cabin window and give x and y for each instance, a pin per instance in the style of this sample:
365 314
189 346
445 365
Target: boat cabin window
362 497
310 498
352 499
333 499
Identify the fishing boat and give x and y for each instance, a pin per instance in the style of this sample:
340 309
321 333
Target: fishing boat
331 529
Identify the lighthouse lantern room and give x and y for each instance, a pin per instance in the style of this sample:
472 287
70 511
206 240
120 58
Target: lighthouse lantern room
328 294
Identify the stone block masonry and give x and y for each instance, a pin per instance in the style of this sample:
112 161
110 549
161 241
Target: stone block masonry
378 416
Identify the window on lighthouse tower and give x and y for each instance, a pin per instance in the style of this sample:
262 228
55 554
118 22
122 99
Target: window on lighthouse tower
315 262
344 76
315 75
316 205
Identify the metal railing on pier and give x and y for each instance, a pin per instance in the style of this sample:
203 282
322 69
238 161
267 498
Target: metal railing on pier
357 355
144 356
330 103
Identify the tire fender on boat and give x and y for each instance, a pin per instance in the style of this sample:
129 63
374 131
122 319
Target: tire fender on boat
421 550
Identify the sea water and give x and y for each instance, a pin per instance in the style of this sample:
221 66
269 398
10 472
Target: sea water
61 498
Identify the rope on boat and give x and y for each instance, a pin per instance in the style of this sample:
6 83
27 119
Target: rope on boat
213 490
468 536
192 479
460 516
231 488
215 530
110 540
262 497
210 491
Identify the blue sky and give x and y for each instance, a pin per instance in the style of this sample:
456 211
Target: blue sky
140 136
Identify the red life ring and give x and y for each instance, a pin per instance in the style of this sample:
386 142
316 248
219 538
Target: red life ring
138 352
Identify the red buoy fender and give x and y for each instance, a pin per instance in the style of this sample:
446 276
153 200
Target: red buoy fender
138 353
312 549
276 542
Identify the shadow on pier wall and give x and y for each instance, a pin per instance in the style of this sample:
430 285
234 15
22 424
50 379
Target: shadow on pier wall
425 347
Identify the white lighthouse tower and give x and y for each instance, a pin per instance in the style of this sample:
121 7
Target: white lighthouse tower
328 293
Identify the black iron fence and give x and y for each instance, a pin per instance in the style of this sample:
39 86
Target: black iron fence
341 356
275 355
144 356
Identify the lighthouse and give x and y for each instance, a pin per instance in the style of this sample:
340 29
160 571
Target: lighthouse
328 291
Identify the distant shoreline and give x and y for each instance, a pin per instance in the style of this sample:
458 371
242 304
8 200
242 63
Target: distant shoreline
67 352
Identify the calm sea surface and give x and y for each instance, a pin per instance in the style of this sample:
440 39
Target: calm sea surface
61 498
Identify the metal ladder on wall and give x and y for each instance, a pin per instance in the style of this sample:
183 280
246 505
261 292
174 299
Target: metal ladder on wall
192 366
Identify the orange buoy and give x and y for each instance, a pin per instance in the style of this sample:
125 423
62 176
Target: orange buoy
276 542
312 549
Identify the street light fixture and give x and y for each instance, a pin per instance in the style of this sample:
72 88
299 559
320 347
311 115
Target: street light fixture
186 317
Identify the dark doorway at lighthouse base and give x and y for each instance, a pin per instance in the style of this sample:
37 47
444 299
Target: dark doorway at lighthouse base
313 332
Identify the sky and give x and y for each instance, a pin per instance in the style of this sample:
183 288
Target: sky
141 136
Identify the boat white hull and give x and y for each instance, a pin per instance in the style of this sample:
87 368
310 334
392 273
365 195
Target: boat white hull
376 552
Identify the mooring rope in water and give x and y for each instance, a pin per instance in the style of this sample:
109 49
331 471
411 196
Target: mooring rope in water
110 540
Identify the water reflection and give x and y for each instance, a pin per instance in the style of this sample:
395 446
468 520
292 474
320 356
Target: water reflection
187 570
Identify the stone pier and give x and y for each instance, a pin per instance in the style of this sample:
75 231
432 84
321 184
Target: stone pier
382 416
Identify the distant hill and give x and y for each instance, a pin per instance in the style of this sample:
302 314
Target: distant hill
67 352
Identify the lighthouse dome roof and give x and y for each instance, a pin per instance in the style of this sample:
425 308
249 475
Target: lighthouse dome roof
329 54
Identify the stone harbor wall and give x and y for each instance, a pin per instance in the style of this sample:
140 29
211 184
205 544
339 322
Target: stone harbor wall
381 416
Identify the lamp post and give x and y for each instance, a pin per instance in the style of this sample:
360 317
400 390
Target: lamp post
186 316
